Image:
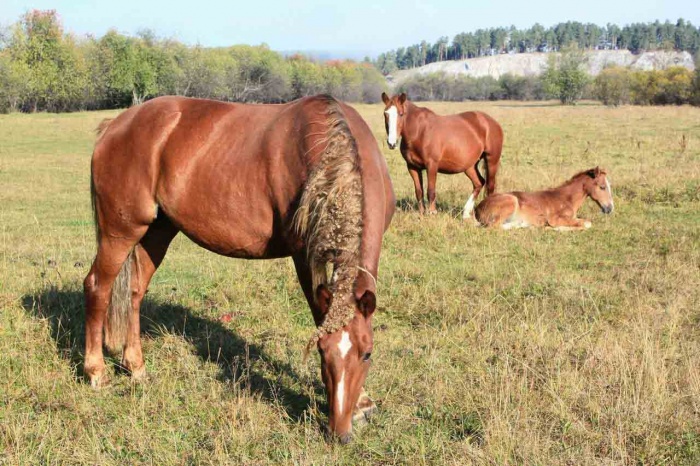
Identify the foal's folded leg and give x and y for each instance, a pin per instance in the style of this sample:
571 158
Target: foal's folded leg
569 224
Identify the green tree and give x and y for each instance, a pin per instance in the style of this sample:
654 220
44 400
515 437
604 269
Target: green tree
565 76
14 83
676 86
306 77
695 87
612 86
127 68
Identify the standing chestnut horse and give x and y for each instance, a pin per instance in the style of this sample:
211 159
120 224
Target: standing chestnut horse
304 179
555 208
446 144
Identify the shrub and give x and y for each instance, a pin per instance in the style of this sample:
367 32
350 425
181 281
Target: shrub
612 86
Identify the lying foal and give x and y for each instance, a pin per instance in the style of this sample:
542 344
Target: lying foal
555 208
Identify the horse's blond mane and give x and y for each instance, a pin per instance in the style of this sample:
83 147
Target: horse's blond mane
329 219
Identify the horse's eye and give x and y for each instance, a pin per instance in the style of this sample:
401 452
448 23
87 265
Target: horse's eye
603 188
366 357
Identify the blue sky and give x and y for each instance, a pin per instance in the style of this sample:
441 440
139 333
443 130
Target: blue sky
340 26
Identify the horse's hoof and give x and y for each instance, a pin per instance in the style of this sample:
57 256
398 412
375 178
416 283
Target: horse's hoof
432 212
363 411
139 375
99 381
471 221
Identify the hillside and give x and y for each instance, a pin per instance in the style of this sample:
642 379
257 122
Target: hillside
528 64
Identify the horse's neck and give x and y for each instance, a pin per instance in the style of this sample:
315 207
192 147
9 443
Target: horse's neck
574 194
413 125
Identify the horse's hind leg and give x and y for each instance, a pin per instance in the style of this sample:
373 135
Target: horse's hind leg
478 183
499 210
112 253
149 254
493 161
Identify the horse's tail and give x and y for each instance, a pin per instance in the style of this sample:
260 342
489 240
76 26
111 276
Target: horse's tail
119 307
120 302
329 219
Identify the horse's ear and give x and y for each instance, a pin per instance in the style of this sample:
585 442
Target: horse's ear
367 303
593 172
385 98
324 299
402 98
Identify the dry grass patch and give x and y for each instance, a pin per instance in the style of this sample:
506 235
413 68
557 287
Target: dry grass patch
492 347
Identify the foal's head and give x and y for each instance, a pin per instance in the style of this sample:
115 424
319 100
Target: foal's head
598 188
394 110
345 360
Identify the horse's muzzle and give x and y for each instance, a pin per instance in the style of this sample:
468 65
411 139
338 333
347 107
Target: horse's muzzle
391 146
607 209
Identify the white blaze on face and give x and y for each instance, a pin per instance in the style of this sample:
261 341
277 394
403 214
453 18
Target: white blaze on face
344 346
612 203
393 114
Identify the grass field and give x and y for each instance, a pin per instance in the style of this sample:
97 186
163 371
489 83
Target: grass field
491 347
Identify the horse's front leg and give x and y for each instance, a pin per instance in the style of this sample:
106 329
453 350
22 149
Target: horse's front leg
417 176
432 180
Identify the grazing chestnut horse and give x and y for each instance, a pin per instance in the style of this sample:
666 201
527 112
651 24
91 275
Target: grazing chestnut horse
445 144
304 179
554 207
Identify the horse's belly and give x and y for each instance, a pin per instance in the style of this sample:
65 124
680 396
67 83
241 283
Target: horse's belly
458 160
238 241
247 230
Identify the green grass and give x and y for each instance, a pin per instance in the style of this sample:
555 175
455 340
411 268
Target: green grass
491 347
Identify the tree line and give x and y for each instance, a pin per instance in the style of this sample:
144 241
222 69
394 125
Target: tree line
42 68
563 81
637 37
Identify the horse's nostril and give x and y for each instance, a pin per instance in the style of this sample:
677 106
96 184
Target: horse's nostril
345 439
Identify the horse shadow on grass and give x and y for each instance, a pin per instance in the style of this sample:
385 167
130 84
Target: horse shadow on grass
212 341
409 204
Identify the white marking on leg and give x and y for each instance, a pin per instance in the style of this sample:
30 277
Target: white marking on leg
344 345
392 113
515 224
468 207
587 224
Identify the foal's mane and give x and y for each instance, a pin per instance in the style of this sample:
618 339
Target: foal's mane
591 173
329 219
